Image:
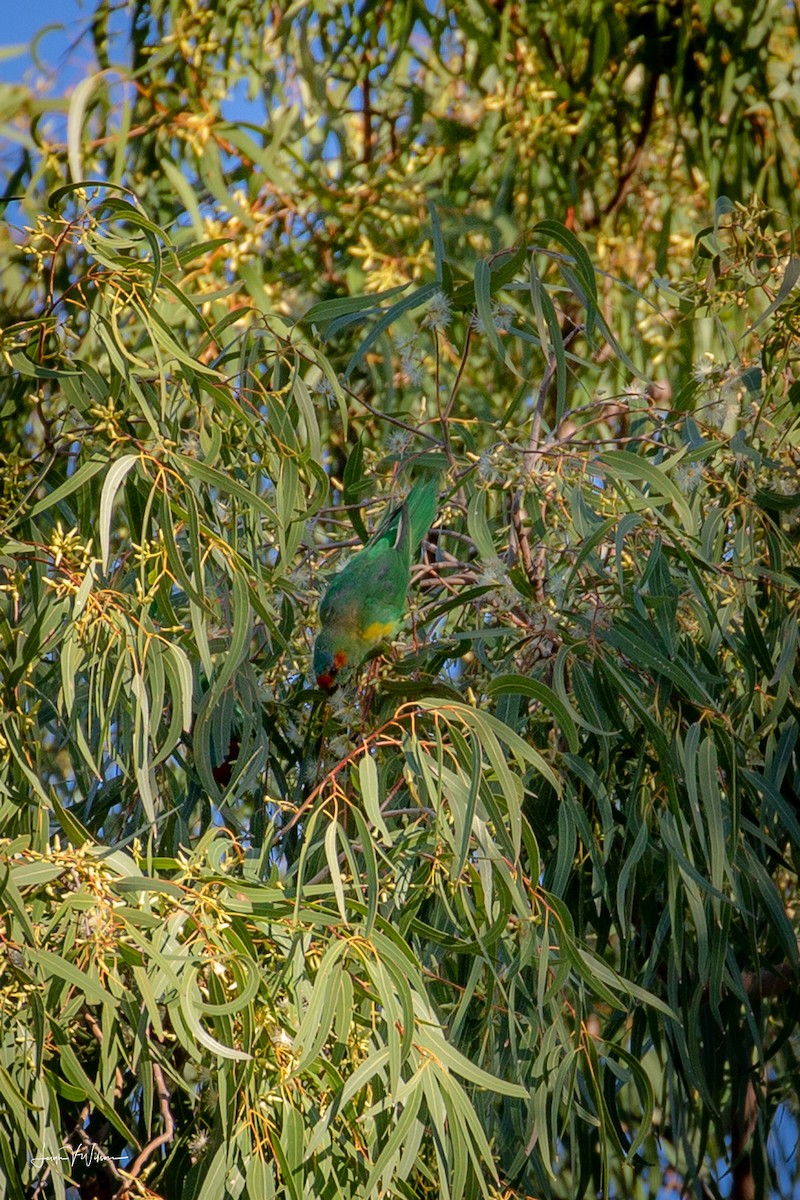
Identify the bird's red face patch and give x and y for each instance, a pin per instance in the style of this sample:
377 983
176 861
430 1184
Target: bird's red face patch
327 679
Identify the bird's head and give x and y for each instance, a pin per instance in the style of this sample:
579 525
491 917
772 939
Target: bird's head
328 663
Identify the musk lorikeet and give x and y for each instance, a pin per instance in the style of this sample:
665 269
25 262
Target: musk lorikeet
365 602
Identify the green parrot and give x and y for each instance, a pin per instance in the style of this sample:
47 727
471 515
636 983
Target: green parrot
364 603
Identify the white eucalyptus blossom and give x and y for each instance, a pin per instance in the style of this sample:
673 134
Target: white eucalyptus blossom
688 476
190 445
706 369
502 316
397 442
197 1144
326 391
439 313
410 353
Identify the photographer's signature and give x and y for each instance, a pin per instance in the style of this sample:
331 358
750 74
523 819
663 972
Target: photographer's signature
88 1155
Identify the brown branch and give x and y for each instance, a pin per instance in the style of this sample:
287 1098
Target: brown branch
98 1034
366 108
169 1131
626 178
762 984
745 1119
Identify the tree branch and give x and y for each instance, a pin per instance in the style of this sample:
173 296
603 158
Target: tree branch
169 1130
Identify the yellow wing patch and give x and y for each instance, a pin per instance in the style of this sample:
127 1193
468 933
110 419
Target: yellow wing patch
378 630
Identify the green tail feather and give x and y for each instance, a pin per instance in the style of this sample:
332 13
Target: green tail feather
421 507
417 513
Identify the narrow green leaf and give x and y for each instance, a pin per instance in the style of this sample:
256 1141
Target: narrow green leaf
332 857
189 1011
85 982
113 482
370 794
73 483
418 297
521 685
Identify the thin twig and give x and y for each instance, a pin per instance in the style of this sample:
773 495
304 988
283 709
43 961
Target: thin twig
169 1130
626 179
98 1033
459 373
440 412
534 566
400 424
366 108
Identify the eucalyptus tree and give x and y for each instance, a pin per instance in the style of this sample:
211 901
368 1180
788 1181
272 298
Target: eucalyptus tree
515 912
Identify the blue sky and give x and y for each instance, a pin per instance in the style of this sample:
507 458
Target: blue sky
21 21
60 64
